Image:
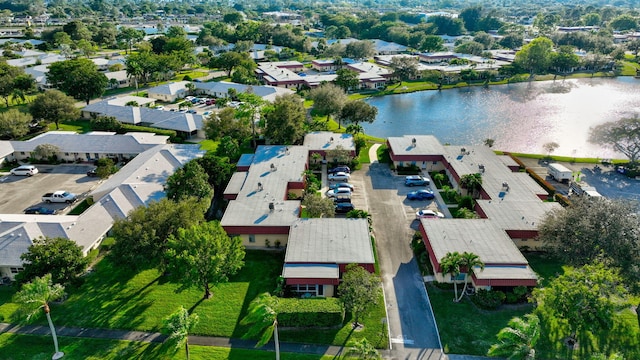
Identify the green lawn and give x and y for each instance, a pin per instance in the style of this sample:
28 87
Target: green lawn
18 347
465 329
115 298
79 126
209 145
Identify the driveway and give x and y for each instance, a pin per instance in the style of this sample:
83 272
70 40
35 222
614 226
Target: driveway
412 325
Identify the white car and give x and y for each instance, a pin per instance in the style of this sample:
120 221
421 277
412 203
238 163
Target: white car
160 107
339 176
342 192
25 170
429 214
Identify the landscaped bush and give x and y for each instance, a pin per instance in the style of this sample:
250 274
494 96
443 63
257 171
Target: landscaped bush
420 252
488 299
466 202
408 170
517 295
542 182
563 200
316 312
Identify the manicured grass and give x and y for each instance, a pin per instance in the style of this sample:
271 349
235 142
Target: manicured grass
383 154
112 297
209 145
364 154
562 158
22 107
81 207
465 329
79 126
41 347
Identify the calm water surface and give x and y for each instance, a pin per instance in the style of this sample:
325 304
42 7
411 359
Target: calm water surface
519 117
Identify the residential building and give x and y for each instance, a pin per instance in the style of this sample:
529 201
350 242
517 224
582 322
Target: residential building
138 183
169 92
510 206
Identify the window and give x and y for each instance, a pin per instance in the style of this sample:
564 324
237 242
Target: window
15 270
66 154
308 289
252 238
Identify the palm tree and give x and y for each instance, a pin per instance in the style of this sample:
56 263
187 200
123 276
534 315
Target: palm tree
264 318
354 129
517 341
36 295
469 260
178 325
439 178
451 264
471 182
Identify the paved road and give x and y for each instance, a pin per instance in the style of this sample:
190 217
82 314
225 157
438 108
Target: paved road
412 326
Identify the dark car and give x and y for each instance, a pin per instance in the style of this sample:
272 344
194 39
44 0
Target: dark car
340 168
341 199
343 208
92 173
39 210
341 185
421 195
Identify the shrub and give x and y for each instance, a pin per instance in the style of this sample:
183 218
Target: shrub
488 299
186 78
125 128
408 170
466 202
316 312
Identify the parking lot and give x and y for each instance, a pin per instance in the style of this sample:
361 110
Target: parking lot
21 192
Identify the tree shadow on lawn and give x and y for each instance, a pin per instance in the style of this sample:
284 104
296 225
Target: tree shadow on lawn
107 299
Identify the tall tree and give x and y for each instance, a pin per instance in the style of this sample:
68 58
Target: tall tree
59 256
450 264
37 295
360 49
263 317
358 291
55 106
583 300
518 340
228 61
404 68
535 56
141 237
471 182
318 206
178 326
358 111
248 110
220 170
79 78
189 181
328 99
14 124
591 229
286 121
469 261
623 135
347 79
204 255
129 36
12 78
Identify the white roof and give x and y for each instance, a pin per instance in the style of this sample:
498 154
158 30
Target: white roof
94 142
330 240
161 119
311 271
326 140
169 89
424 145
268 93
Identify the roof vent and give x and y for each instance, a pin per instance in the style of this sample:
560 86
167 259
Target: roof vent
273 167
414 142
272 206
331 139
260 188
481 168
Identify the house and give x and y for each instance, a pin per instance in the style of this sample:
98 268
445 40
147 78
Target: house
169 92
87 147
45 59
388 48
39 74
510 206
138 183
263 211
273 75
318 251
324 65
184 124
118 79
221 90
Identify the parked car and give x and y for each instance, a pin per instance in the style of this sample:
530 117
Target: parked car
416 180
421 195
342 192
345 207
192 112
429 214
24 170
39 210
189 98
210 102
93 172
160 107
207 113
342 199
340 168
341 185
339 176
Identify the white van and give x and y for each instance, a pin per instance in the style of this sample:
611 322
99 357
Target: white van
25 170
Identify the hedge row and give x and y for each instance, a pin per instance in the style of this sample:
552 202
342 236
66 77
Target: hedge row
321 312
542 182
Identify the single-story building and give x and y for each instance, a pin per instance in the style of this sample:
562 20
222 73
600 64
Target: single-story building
169 92
138 183
511 205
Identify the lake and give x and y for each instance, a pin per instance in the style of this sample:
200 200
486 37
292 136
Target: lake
519 117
